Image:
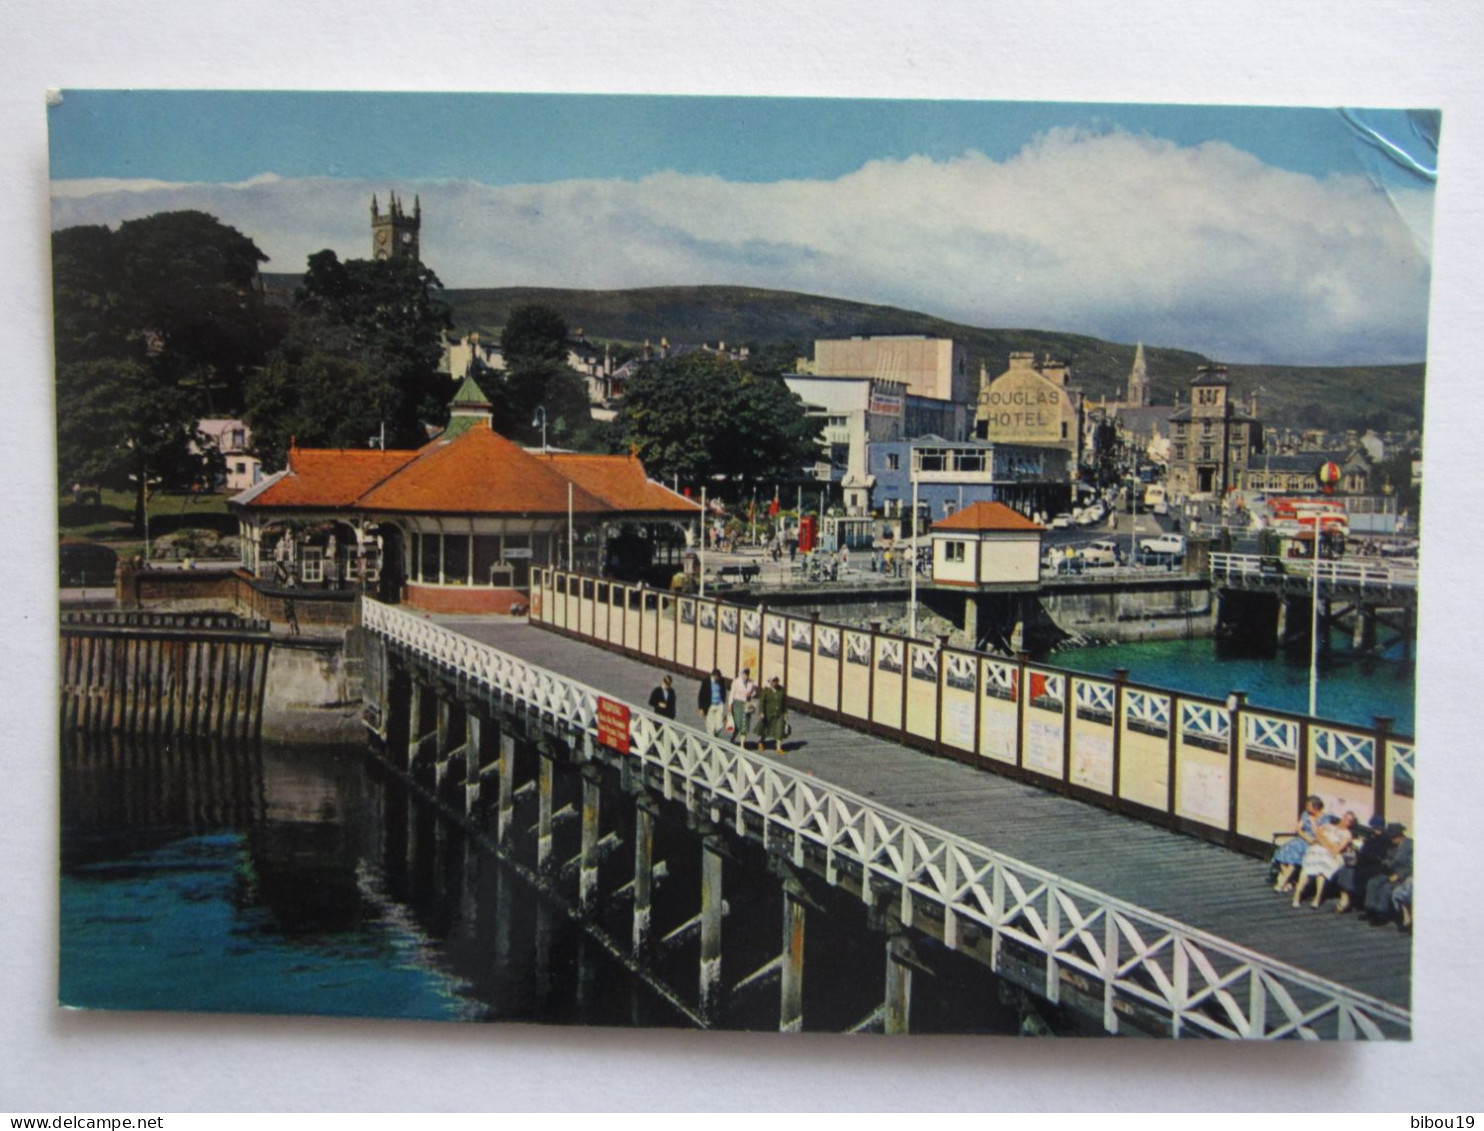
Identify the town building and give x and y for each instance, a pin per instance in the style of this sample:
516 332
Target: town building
457 525
1031 403
854 413
233 439
939 388
1212 440
953 475
929 367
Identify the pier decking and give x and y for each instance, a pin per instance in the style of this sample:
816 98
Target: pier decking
1198 883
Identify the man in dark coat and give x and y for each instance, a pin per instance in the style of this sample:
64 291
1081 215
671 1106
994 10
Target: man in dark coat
1370 862
711 700
662 699
1379 907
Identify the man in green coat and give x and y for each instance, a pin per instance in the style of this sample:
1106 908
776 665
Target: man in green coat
775 715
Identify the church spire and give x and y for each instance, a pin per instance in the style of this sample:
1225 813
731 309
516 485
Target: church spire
1138 379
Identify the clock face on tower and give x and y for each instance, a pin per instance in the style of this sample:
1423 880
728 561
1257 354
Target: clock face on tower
383 239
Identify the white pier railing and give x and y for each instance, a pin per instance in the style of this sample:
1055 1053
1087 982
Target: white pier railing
1139 962
1376 575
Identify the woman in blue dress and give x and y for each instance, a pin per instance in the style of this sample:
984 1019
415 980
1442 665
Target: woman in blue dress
1290 853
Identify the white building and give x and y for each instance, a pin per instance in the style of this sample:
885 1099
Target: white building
856 412
986 544
233 439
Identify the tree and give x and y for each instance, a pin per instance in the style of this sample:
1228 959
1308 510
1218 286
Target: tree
156 325
537 377
702 417
362 354
533 333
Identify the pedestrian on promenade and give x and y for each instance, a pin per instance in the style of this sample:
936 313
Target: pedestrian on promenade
711 700
742 702
775 716
662 699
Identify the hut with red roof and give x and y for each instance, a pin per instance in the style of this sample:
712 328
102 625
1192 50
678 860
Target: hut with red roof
986 544
456 525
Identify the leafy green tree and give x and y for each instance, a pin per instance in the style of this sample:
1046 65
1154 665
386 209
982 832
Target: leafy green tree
156 325
362 354
533 333
537 377
702 417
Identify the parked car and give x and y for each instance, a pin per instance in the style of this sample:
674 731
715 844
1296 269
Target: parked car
1103 552
1061 521
1167 549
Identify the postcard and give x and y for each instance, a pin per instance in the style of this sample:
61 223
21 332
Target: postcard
464 499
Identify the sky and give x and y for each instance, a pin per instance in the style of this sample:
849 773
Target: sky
1285 236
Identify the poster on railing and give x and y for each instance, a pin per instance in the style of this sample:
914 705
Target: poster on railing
1043 746
1092 757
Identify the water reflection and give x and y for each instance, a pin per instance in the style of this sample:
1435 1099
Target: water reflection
277 879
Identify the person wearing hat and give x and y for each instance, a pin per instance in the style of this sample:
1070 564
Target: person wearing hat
1362 865
775 715
1380 906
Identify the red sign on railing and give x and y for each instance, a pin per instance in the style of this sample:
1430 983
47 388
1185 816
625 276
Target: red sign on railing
613 724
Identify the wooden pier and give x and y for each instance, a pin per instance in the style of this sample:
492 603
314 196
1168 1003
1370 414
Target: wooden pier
1130 924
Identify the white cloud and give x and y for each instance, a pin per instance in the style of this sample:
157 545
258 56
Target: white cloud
1118 236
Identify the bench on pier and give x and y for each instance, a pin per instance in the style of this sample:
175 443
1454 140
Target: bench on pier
743 573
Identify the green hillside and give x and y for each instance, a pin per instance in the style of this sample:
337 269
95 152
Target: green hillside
1381 397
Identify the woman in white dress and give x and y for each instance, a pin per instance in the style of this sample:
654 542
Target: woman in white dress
1325 856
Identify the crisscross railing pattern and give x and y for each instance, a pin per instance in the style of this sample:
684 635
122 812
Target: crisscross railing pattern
1351 752
1147 711
1277 738
1142 964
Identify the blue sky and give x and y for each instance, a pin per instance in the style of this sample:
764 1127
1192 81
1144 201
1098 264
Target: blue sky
1250 234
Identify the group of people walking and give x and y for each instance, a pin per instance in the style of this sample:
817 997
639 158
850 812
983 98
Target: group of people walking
1370 865
733 708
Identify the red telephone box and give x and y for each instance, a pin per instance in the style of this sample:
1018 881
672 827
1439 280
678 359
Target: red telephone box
808 533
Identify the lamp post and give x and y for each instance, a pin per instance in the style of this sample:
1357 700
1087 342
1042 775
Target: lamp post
540 418
1314 627
912 558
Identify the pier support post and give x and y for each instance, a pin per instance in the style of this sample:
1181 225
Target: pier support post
643 874
507 785
899 963
414 722
441 745
474 731
587 867
711 912
546 773
791 990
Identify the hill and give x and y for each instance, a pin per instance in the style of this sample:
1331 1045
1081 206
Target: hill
1382 397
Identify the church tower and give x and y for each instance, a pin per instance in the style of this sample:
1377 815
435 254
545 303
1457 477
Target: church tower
1138 380
394 233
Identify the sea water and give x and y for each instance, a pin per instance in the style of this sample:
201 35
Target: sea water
1350 689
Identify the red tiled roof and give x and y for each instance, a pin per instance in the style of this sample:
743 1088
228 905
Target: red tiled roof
478 472
987 516
330 477
620 482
